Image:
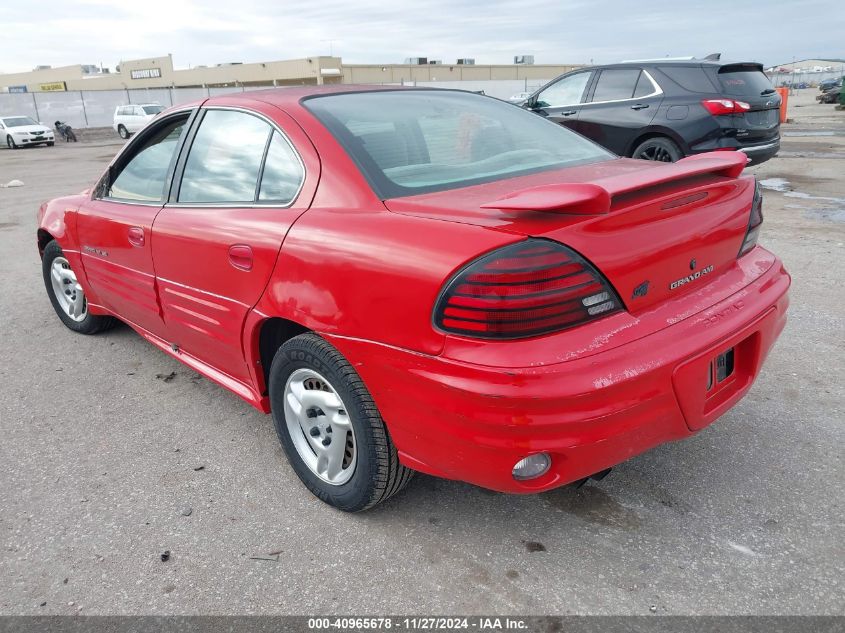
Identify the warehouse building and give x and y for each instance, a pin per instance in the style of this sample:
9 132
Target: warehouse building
809 66
158 72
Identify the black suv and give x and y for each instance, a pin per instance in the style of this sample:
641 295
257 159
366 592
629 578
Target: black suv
667 109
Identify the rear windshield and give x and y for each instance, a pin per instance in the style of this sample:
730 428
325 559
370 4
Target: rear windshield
746 83
416 141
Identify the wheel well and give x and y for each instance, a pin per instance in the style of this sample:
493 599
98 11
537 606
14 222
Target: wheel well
44 238
274 333
648 135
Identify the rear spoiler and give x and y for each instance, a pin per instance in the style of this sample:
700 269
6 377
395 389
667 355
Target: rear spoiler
594 198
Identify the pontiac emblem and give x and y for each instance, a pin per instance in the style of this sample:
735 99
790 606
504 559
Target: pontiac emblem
640 291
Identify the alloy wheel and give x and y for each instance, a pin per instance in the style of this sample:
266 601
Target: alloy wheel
655 152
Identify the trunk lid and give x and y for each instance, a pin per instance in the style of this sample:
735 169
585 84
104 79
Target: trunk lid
747 82
663 230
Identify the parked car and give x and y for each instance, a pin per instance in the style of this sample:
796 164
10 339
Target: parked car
418 279
827 84
519 97
22 131
831 95
665 110
128 119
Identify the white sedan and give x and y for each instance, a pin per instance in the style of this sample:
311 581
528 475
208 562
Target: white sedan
20 131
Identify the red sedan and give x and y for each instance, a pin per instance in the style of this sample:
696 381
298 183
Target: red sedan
426 280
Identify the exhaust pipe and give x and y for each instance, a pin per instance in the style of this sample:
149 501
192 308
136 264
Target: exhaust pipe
595 476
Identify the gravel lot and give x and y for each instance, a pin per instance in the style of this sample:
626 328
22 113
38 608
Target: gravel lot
102 458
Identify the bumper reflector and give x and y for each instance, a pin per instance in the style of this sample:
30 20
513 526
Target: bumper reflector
532 466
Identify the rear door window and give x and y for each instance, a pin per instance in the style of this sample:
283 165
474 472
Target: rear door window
644 87
225 158
283 172
616 84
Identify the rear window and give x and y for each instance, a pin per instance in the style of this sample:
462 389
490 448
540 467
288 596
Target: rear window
416 141
744 82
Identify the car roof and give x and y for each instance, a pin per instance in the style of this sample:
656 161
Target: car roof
293 94
683 62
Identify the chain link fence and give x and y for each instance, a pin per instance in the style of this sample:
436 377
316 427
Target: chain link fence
95 108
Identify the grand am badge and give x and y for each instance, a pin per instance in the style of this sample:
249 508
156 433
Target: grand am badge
690 278
94 251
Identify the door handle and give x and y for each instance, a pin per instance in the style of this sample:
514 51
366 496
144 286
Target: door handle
135 235
240 256
639 106
569 113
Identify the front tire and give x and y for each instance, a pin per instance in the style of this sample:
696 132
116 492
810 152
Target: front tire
122 132
659 149
67 296
330 428
10 142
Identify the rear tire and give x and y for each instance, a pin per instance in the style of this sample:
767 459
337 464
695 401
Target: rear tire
67 296
658 148
122 132
307 371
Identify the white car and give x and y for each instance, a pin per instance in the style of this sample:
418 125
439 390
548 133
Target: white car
19 131
128 119
519 96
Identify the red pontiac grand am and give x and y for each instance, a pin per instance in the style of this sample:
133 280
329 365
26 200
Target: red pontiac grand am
426 280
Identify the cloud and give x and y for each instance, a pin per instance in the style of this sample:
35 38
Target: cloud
374 31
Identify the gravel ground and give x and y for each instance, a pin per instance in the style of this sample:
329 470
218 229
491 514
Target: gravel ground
106 465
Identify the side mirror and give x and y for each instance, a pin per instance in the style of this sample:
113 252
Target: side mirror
531 102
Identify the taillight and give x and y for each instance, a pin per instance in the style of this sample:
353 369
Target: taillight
525 289
725 106
754 221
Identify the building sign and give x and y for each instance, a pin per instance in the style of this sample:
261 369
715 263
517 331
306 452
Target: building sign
17 88
53 86
146 73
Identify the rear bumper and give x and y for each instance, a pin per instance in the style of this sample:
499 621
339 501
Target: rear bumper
760 153
469 422
756 152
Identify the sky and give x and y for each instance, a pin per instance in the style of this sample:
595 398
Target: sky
383 31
